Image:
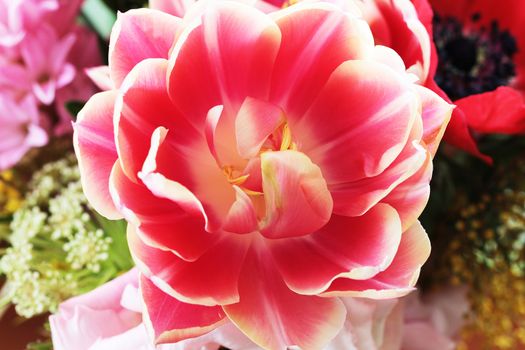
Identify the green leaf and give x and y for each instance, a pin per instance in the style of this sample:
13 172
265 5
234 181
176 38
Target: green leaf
74 107
99 16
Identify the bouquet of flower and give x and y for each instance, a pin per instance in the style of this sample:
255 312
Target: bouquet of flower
262 174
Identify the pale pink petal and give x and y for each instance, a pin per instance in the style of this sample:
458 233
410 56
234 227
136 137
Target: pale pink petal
274 317
96 152
255 121
227 56
173 7
219 268
297 199
241 217
100 76
172 320
399 278
316 39
421 335
436 115
137 35
356 248
371 111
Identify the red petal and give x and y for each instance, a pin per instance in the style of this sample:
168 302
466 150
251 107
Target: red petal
210 280
160 222
500 111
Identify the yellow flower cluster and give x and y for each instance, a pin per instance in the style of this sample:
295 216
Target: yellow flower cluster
487 253
10 197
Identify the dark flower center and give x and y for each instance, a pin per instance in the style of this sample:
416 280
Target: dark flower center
472 60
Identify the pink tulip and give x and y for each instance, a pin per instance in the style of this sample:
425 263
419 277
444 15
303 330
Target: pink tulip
268 165
20 129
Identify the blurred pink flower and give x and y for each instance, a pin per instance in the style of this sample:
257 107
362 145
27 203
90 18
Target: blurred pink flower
20 129
433 322
43 54
267 165
110 318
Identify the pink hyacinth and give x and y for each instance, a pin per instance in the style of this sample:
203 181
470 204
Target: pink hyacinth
267 164
20 129
43 53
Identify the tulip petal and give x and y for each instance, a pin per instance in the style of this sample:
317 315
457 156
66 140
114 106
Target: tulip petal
356 248
137 35
143 105
227 56
255 121
410 197
160 222
355 198
241 217
316 39
274 317
172 320
208 192
436 115
372 110
210 280
96 151
398 279
297 199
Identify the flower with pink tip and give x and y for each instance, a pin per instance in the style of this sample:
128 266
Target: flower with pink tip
267 165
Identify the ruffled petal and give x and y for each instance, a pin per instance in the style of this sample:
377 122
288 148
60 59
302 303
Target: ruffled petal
410 197
160 222
316 39
210 280
200 188
96 151
297 199
223 56
274 317
356 248
355 198
398 279
171 320
137 35
371 111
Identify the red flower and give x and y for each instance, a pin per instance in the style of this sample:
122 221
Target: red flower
481 65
